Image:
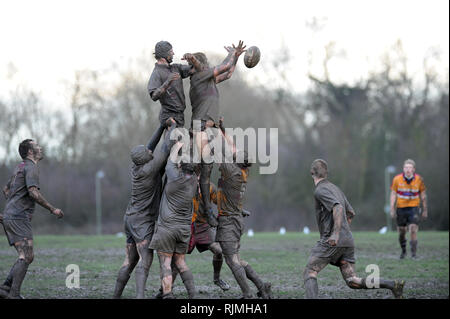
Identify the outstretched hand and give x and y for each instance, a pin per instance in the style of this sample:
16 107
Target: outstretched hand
240 48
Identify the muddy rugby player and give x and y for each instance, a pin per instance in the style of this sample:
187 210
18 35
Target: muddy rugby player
204 98
336 247
142 212
22 193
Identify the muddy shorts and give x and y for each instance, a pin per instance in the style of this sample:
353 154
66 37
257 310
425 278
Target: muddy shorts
407 216
138 228
333 255
202 235
230 247
17 230
230 228
174 240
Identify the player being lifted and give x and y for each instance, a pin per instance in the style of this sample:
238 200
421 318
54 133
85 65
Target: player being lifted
204 98
336 247
166 85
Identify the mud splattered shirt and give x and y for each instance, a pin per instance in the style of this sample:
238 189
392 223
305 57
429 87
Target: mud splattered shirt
231 188
176 203
327 195
146 183
204 96
197 204
173 101
19 204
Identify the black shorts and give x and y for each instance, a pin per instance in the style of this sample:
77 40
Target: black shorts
407 216
138 228
17 230
333 255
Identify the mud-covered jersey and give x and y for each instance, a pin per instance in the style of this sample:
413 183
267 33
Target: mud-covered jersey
326 196
173 101
176 203
231 188
204 96
19 204
197 204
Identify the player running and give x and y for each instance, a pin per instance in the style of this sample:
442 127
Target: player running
336 247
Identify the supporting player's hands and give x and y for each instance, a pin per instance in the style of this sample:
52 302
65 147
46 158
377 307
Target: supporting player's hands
222 128
333 240
212 218
57 212
170 121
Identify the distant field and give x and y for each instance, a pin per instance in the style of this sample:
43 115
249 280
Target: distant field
279 259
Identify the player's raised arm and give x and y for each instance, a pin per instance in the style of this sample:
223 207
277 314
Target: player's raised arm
238 51
233 54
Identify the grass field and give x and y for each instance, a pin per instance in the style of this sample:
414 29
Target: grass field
279 259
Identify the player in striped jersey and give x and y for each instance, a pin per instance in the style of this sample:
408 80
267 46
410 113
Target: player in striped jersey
407 191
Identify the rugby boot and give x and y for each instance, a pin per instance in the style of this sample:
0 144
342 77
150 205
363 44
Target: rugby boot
403 254
266 291
5 287
159 295
398 289
3 293
222 284
168 295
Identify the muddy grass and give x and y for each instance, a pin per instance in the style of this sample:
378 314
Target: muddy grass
278 259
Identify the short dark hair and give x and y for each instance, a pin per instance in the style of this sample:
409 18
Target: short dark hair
24 147
319 168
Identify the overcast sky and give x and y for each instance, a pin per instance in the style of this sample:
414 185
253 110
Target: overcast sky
48 40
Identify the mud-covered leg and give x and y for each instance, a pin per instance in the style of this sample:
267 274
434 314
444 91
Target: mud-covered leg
264 288
143 266
165 261
6 286
217 266
230 253
205 176
355 282
185 274
402 240
413 230
25 250
313 267
128 265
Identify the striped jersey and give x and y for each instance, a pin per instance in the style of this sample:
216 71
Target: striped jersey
408 195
